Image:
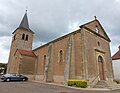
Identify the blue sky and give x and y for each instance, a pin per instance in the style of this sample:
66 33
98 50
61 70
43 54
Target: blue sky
50 19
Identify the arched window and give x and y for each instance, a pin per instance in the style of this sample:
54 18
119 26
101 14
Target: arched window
44 62
61 56
44 59
23 36
96 29
26 38
99 59
14 37
98 43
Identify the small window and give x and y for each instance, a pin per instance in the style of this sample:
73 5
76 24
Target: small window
23 36
61 56
26 38
98 43
14 37
96 29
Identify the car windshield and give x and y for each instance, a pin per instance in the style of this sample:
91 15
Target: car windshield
7 75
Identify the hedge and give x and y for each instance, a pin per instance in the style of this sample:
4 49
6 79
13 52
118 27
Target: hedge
78 83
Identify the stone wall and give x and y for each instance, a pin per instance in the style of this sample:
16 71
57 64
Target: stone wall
27 65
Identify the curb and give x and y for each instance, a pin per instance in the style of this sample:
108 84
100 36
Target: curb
96 89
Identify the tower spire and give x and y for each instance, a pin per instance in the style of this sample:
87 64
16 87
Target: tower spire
24 23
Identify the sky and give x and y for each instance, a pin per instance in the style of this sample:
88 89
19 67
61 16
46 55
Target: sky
50 19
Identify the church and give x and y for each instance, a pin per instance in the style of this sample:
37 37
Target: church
83 55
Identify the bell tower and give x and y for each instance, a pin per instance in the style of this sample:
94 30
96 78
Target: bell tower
22 39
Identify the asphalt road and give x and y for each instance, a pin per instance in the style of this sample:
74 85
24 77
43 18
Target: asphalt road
35 87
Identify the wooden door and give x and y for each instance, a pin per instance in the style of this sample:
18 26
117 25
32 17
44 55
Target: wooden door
101 68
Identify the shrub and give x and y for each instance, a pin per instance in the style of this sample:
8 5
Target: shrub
78 83
71 82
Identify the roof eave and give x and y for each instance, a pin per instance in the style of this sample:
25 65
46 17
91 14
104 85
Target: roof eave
23 28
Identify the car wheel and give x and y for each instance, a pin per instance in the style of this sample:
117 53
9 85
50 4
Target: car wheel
8 80
23 79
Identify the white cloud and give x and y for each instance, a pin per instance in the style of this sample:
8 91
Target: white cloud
52 19
4 49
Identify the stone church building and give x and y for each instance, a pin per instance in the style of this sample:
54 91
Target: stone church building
83 54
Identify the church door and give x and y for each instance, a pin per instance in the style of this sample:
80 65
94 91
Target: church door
101 68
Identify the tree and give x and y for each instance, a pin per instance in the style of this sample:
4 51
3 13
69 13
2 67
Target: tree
3 67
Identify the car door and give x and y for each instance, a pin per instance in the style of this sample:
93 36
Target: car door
13 77
19 77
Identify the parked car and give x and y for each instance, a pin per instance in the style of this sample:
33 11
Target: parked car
13 77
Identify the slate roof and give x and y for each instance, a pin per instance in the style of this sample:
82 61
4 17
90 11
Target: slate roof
24 24
116 55
26 52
